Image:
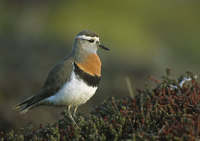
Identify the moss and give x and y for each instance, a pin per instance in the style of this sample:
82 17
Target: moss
165 112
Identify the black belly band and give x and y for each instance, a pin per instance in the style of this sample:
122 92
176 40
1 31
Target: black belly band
90 80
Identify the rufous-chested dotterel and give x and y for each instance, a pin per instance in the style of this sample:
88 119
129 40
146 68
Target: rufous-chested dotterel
74 79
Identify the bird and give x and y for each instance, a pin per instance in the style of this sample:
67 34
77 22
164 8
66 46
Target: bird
73 80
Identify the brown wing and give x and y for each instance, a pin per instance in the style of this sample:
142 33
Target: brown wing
58 76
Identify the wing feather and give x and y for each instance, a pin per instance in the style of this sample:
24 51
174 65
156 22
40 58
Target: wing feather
56 78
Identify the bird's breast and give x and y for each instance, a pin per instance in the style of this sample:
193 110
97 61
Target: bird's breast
91 65
90 80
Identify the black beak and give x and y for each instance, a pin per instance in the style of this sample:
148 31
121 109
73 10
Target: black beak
103 47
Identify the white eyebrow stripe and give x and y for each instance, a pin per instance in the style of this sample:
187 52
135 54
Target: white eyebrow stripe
87 37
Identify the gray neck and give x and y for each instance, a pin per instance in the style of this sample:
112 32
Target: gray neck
78 53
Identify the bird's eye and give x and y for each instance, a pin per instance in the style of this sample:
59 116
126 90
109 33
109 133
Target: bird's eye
91 41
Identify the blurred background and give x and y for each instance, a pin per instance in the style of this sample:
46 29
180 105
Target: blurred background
144 37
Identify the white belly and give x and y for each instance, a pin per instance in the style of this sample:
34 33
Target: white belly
75 92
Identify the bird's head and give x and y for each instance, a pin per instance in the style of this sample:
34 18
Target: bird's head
88 42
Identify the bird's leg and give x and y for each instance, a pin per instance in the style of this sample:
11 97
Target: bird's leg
75 109
71 115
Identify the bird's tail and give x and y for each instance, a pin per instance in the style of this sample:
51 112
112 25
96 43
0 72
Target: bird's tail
24 105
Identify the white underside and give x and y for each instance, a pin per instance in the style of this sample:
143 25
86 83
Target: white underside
74 93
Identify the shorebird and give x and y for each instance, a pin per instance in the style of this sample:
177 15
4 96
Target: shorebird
74 79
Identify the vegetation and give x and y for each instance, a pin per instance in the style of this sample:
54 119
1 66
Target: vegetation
144 38
170 111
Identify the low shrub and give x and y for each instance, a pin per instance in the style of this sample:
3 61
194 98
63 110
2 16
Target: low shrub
169 111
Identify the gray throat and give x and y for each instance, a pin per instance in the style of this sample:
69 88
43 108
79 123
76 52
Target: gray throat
78 54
